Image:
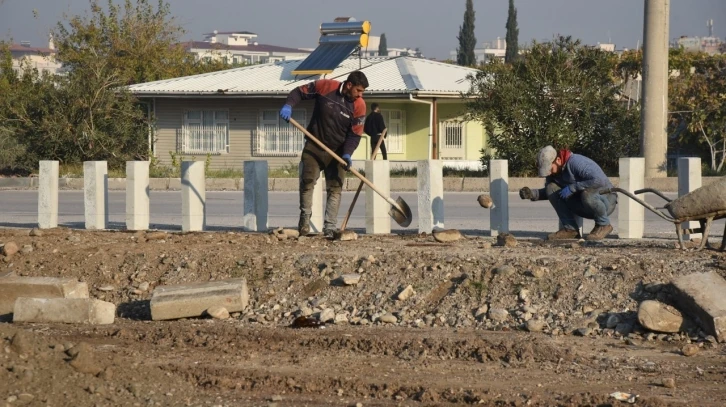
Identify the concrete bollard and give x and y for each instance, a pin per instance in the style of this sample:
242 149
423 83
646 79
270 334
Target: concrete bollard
194 197
95 189
430 181
499 190
254 217
631 215
377 219
48 195
689 179
137 195
318 216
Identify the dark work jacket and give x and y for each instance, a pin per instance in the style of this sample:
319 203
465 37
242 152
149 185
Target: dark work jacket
374 124
336 121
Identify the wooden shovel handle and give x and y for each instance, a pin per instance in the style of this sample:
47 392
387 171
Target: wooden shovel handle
374 154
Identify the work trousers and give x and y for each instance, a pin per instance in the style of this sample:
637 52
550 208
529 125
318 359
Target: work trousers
314 160
588 204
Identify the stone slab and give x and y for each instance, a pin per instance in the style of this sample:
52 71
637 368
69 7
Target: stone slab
701 296
64 310
192 300
13 287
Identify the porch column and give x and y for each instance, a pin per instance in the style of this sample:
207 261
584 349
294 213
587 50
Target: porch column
48 195
256 206
499 190
95 194
430 178
194 197
689 178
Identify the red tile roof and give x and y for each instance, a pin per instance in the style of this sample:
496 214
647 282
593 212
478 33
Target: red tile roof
23 48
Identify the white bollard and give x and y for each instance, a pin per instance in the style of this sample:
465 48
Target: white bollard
256 205
689 179
194 197
318 213
48 195
430 178
631 215
137 195
499 190
377 219
95 191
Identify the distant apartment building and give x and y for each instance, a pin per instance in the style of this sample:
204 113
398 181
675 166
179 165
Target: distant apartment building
489 51
374 43
240 47
42 59
710 44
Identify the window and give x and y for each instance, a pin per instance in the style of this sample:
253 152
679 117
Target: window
205 131
276 137
452 134
396 125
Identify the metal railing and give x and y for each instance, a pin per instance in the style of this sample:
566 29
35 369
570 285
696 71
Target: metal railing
452 133
275 141
210 139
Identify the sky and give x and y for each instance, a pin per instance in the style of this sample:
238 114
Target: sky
431 25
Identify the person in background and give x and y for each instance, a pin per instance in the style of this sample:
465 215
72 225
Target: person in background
572 185
374 128
337 122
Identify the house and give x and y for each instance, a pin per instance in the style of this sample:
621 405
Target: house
489 51
232 115
374 43
42 59
240 47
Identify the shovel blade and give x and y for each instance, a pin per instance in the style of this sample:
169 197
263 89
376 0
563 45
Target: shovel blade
401 212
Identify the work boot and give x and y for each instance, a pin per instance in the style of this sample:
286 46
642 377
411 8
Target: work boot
564 234
304 225
599 232
329 233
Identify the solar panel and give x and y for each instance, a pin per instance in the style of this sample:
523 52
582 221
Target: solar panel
337 42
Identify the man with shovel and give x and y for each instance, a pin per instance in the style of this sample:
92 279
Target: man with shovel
337 121
572 185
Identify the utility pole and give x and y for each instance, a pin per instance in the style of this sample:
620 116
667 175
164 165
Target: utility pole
654 104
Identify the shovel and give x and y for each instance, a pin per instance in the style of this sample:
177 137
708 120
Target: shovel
400 211
343 232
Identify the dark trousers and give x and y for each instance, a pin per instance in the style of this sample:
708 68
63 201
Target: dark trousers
314 159
588 204
374 141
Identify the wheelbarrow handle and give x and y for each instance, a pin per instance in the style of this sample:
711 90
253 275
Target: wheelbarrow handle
638 200
655 191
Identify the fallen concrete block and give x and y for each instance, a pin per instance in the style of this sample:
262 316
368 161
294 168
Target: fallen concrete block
13 287
64 310
192 300
701 295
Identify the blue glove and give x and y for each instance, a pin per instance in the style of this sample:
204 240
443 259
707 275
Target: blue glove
565 192
286 112
348 161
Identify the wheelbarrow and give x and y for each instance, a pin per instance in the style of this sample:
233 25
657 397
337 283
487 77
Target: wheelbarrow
704 204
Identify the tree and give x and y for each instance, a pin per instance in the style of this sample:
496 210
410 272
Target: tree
562 94
697 97
383 46
512 35
467 41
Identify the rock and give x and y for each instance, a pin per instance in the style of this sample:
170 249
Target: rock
22 343
350 279
406 293
27 248
481 312
505 270
535 325
158 235
523 294
25 397
290 233
326 315
9 249
341 318
144 286
388 318
106 288
446 236
74 238
659 317
583 331
218 312
485 201
669 382
690 349
537 272
35 232
612 321
590 271
498 314
506 240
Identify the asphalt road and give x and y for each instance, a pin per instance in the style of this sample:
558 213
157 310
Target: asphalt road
18 209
